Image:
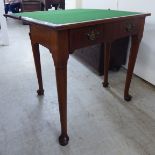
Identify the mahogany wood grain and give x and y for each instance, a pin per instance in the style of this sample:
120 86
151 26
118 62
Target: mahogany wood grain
135 42
36 56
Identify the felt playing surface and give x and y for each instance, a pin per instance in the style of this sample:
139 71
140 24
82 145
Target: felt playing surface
74 15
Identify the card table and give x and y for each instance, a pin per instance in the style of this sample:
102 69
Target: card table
63 31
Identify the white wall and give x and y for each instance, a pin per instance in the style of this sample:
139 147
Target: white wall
145 65
99 4
3 31
70 4
78 3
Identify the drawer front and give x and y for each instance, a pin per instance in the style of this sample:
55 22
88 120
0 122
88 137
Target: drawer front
105 32
123 28
31 7
86 36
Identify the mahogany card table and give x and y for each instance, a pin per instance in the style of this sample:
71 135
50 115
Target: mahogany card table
63 31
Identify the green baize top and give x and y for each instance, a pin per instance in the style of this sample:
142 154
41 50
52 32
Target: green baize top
73 16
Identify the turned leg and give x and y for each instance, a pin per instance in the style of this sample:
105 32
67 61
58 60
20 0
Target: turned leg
107 47
135 42
61 78
36 56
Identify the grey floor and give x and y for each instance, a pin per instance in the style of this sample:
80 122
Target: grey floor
100 122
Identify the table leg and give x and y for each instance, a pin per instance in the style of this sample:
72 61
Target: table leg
107 47
36 56
135 42
59 50
61 78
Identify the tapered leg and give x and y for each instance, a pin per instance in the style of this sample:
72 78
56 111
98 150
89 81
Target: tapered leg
61 78
36 56
135 42
60 56
107 47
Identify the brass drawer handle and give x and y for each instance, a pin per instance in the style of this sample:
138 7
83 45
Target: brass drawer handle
130 27
93 35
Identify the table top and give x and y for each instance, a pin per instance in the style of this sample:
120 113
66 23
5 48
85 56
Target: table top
59 18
